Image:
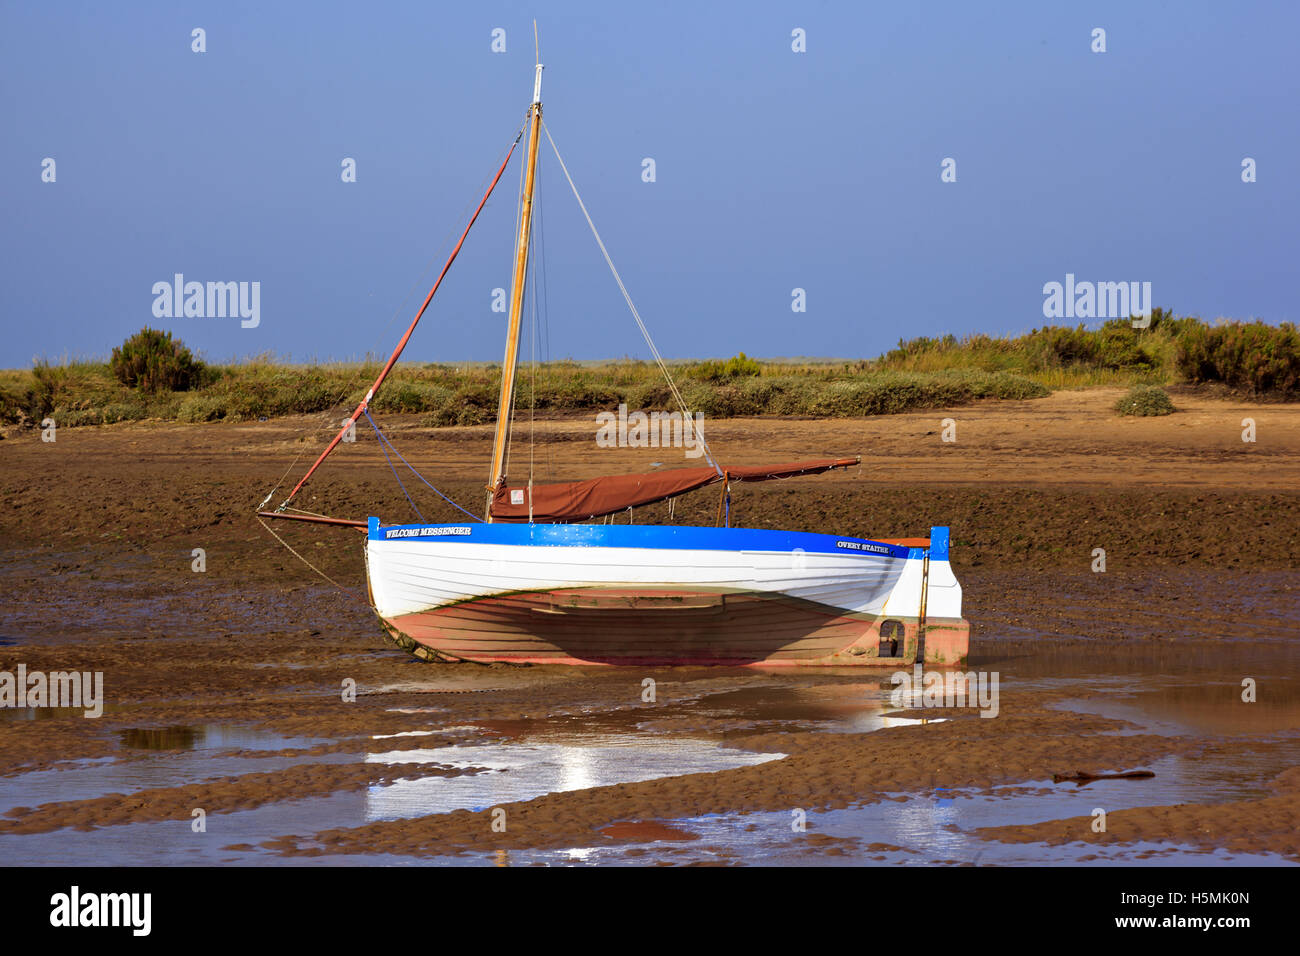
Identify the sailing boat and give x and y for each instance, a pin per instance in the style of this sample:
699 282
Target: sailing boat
538 581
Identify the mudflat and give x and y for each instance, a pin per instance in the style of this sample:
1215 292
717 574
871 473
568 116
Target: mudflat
227 689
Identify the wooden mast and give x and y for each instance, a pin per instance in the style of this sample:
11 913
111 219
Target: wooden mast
505 407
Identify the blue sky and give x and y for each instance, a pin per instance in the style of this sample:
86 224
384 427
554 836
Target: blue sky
775 170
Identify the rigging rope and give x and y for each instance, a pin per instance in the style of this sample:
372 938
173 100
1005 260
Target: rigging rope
350 421
663 367
382 442
419 281
540 295
384 439
348 591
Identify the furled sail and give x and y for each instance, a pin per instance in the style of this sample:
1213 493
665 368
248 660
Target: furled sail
597 497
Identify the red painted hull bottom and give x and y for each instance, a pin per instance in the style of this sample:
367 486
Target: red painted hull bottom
611 627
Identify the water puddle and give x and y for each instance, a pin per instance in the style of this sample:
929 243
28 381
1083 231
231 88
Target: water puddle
175 756
853 707
936 828
166 757
831 706
522 771
213 737
174 843
17 714
1201 709
1138 665
1196 694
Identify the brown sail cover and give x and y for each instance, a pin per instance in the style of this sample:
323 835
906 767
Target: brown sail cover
596 497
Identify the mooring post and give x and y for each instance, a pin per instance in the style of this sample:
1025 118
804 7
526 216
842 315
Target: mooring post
925 593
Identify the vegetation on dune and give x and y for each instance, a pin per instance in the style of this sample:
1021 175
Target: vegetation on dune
152 361
154 376
1145 400
1057 355
49 384
468 395
864 393
738 366
1252 358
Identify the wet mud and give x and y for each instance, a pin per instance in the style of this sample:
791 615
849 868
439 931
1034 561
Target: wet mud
265 696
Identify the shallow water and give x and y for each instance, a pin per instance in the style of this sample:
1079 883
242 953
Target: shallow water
934 828
528 757
190 755
174 843
1203 709
515 771
522 771
1185 689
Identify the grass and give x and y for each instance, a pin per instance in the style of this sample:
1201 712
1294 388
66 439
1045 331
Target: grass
87 393
919 373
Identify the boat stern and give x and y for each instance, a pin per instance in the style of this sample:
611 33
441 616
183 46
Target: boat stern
922 617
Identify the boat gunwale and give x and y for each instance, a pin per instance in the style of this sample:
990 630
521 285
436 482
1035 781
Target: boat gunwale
660 537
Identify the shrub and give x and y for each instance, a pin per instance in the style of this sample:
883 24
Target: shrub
468 405
152 361
651 397
463 415
285 391
569 392
1056 353
122 412
411 397
738 366
1058 347
880 393
14 407
76 417
49 383
1252 356
1145 400
773 396
907 348
201 408
1006 385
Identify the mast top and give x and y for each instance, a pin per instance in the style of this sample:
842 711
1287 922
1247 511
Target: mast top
537 86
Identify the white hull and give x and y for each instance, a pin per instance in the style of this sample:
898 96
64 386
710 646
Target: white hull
606 602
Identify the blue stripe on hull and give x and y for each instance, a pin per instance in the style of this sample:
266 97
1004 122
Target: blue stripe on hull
654 536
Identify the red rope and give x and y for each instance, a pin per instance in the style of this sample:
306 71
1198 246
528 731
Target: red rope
352 419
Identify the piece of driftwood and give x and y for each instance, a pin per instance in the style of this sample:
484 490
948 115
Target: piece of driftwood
1080 777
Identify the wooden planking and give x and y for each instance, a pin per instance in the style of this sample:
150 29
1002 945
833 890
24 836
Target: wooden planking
751 627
